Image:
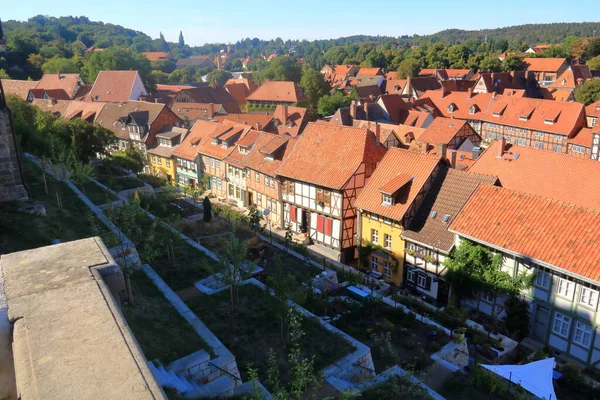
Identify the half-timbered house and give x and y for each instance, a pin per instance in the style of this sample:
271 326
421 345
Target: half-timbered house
236 169
323 175
388 203
454 134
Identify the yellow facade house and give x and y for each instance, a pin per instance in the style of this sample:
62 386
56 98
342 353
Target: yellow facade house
160 155
386 205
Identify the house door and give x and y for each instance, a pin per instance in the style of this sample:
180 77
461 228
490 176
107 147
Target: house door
304 221
540 324
250 199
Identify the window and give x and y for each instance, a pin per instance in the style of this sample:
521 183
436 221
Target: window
387 270
259 198
374 236
257 176
561 325
542 279
269 181
375 217
523 131
588 296
485 296
216 183
386 200
387 220
422 280
578 149
557 148
472 110
387 241
510 129
583 334
593 122
209 162
539 134
558 138
538 145
217 165
168 162
153 159
521 141
374 264
159 160
565 288
410 275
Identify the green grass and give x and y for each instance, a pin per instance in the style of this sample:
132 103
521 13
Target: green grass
19 231
160 330
96 194
255 328
116 179
396 387
125 183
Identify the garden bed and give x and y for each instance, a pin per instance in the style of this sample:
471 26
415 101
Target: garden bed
96 194
168 205
396 387
160 330
255 328
116 179
20 231
480 384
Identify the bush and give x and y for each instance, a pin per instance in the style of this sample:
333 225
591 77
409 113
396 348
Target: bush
154 181
517 318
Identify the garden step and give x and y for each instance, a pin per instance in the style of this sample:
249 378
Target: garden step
219 386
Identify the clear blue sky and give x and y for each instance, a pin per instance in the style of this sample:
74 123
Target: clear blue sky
228 21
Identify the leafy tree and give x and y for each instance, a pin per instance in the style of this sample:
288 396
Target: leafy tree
512 62
491 63
282 69
458 56
207 207
218 78
131 159
375 59
517 317
181 41
4 74
593 48
408 67
594 63
234 267
328 105
589 92
314 86
182 75
60 65
118 59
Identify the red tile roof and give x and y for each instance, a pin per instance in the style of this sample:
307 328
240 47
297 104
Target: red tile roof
157 55
396 183
543 173
582 138
172 88
462 102
329 155
369 72
561 235
397 161
253 120
277 91
442 130
17 87
296 119
543 64
573 77
69 83
342 70
395 86
593 110
113 86
269 144
200 132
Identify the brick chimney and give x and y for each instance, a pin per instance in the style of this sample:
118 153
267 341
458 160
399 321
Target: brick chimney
377 133
284 111
501 147
470 93
476 152
424 147
494 95
211 110
353 109
452 158
258 126
441 149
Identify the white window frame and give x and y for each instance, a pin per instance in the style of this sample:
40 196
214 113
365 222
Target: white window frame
487 297
257 177
374 264
387 241
542 279
386 200
565 288
588 297
557 148
578 149
422 280
387 269
410 275
374 236
561 325
168 162
153 159
583 334
387 220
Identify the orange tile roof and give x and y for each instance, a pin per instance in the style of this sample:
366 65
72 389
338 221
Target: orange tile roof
395 86
569 115
543 173
593 110
397 161
342 70
113 86
297 117
194 111
369 72
554 233
328 155
200 132
253 120
17 87
462 103
582 138
67 82
277 91
269 143
543 64
573 77
396 183
156 55
238 91
391 75
442 130
172 88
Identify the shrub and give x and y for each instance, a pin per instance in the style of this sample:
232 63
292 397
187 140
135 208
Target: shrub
154 181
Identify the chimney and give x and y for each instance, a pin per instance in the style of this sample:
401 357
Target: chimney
441 149
470 93
424 147
494 95
211 110
353 109
452 158
258 126
284 111
501 147
377 133
476 152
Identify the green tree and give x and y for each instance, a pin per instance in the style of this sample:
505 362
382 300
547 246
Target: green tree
131 159
113 59
182 75
375 59
234 267
314 87
512 62
594 63
282 69
218 78
60 65
207 209
328 105
458 56
408 67
181 41
589 92
491 63
4 74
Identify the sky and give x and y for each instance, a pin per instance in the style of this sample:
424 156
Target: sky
213 22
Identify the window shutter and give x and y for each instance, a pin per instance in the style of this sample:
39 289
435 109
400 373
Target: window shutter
292 213
320 227
428 283
328 226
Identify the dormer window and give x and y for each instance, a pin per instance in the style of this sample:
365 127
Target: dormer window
451 108
523 118
386 200
549 121
215 142
242 149
472 109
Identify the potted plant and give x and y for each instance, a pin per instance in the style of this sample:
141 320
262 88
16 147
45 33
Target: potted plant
459 334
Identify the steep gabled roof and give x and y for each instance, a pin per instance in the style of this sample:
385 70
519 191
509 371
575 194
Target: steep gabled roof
573 77
113 86
296 119
18 88
397 162
442 130
256 121
277 91
543 173
370 72
113 113
555 233
68 83
267 144
200 132
543 64
448 194
328 155
462 101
